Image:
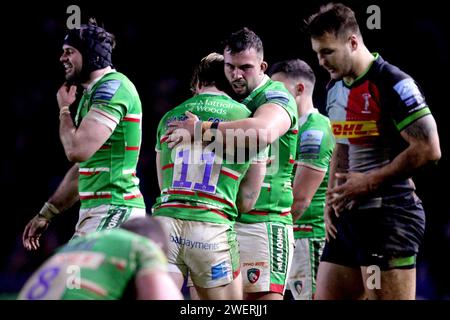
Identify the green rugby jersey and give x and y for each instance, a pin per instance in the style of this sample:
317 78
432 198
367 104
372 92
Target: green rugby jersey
315 147
109 176
197 183
99 265
275 200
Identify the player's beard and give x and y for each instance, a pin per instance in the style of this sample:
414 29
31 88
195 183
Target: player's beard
77 77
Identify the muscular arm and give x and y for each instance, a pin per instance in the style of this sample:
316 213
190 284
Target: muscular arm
80 144
156 285
67 192
250 187
338 164
64 197
306 182
423 147
159 170
269 122
423 139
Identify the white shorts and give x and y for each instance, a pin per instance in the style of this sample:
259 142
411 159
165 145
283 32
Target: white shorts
302 277
266 250
105 217
209 251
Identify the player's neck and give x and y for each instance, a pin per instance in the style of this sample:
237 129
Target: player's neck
210 89
362 63
305 106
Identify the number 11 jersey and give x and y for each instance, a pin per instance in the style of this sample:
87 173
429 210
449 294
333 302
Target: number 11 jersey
199 182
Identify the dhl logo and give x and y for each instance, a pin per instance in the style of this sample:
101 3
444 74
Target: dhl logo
354 129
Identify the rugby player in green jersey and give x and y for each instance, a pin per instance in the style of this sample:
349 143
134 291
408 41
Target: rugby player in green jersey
314 150
104 141
202 190
123 263
265 233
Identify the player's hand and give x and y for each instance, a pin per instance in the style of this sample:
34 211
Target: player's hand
330 229
345 195
181 131
33 231
66 95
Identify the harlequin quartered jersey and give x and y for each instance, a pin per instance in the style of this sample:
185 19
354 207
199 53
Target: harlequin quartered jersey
369 114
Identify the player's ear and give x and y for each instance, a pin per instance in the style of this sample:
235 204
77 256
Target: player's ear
264 66
300 88
353 40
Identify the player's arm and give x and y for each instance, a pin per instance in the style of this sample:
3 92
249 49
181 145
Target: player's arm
269 122
423 147
306 182
156 285
63 198
250 186
338 164
159 169
95 128
80 144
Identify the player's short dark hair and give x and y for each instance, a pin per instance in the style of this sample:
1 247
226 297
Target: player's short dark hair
294 68
243 39
209 72
148 227
333 18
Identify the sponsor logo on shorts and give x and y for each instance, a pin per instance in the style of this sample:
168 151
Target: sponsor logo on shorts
183 242
261 264
115 217
298 285
279 249
220 270
253 275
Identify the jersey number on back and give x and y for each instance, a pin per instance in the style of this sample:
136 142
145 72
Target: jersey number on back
195 170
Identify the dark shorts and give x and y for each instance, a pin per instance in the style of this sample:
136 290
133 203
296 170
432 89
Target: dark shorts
388 236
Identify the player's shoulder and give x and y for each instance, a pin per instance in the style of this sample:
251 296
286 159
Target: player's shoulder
389 74
110 84
275 92
318 119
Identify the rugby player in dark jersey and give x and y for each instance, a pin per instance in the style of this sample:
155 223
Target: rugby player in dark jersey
384 132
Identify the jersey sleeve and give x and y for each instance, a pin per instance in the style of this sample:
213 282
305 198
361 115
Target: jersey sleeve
315 146
111 100
159 135
285 100
408 102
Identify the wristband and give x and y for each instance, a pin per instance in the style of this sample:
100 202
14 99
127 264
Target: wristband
48 211
64 110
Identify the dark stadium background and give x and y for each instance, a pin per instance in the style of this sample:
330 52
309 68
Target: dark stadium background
157 48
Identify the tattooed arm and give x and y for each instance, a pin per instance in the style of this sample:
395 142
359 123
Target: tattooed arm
250 187
422 137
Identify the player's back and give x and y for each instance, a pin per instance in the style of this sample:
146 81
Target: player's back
98 266
200 183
